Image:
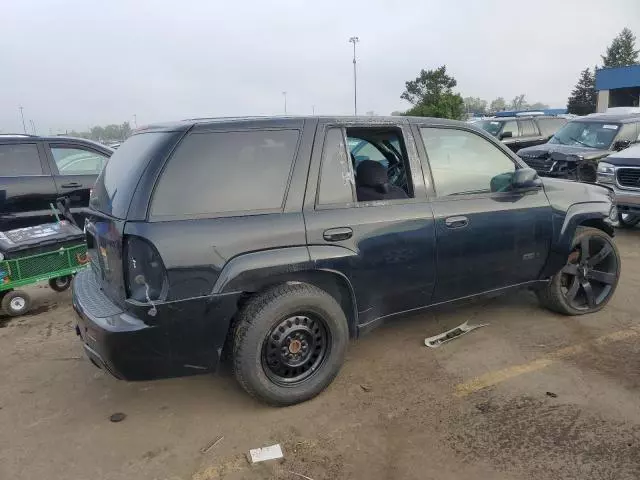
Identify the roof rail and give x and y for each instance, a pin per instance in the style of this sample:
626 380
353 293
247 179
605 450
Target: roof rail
16 135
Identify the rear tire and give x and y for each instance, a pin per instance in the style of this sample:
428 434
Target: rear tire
16 302
60 284
289 343
588 280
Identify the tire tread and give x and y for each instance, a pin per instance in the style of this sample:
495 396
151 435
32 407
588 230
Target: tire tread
251 313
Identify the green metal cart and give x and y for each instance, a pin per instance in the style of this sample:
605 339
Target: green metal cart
57 266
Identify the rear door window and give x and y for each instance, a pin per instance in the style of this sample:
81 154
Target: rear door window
17 160
226 173
510 126
77 161
528 128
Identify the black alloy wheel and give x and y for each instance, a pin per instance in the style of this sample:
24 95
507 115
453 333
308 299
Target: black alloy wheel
295 348
591 273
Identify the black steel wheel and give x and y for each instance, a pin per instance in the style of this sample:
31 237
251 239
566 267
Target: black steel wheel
295 348
628 220
590 277
60 284
289 343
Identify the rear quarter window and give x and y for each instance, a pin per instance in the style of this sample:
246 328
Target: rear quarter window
116 184
226 173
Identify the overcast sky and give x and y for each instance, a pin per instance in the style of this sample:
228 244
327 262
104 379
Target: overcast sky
77 63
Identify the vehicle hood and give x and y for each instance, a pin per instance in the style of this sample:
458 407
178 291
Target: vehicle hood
556 151
562 194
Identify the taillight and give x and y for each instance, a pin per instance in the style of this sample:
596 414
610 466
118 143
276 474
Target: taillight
145 276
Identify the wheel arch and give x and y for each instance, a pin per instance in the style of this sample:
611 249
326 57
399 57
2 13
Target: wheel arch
590 214
253 273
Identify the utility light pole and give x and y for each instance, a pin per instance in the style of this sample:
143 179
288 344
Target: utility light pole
284 94
24 127
354 40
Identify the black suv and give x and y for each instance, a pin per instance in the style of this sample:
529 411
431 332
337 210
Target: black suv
35 171
521 132
273 241
575 150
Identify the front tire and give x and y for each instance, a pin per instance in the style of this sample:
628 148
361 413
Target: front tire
626 220
589 278
289 343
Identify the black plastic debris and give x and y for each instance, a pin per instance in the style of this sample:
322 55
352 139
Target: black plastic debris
118 417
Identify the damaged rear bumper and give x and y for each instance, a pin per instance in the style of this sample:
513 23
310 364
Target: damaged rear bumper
182 338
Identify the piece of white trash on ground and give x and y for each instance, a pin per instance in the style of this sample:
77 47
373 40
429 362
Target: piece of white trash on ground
454 333
265 453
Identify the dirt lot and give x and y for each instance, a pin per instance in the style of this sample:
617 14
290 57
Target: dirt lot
532 396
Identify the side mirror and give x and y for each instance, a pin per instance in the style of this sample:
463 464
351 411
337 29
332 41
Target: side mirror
525 178
621 145
506 135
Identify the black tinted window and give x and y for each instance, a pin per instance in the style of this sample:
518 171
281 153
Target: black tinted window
336 177
549 126
115 186
219 173
464 163
20 159
527 128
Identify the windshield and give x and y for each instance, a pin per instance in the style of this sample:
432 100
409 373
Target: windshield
491 126
586 134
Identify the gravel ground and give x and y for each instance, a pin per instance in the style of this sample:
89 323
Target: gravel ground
532 396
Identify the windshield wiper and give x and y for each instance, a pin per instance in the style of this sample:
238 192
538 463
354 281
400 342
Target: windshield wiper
580 142
469 192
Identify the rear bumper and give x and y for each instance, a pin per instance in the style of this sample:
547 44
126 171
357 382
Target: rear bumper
183 338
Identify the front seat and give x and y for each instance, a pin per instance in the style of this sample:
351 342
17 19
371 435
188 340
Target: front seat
372 183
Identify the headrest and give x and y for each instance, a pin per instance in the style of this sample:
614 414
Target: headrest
372 174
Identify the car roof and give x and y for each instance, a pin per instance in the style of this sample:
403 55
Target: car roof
521 117
287 121
633 152
610 117
13 137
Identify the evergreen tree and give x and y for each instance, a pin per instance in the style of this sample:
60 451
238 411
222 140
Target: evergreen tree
622 50
583 97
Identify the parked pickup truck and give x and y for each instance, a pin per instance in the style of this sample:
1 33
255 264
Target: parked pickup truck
621 171
273 241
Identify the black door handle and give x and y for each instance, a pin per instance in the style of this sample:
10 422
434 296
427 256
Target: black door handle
71 185
337 234
456 222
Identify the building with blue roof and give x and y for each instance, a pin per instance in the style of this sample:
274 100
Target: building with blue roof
618 87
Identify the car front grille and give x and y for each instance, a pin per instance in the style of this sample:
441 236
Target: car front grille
628 177
539 164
